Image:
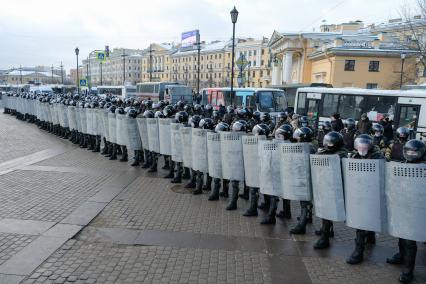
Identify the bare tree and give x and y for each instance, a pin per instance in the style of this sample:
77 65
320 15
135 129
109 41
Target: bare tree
415 31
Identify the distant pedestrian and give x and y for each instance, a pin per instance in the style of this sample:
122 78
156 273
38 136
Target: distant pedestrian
336 123
364 126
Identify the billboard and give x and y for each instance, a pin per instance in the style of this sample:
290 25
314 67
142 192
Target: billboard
190 38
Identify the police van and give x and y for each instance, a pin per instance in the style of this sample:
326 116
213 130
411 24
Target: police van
405 107
255 99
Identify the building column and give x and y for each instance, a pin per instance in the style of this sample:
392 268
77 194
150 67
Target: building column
287 66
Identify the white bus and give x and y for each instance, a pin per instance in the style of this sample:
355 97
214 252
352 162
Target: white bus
152 90
405 107
127 91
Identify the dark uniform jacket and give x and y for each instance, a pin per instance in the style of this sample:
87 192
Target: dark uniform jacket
364 126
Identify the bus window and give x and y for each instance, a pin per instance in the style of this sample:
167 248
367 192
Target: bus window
213 98
349 106
250 103
329 106
376 107
205 99
227 98
280 101
237 100
266 101
220 100
301 103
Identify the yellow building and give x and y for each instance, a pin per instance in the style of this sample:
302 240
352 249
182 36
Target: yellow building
156 62
343 56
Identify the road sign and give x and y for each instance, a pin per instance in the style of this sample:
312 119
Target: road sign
241 79
242 62
100 55
83 82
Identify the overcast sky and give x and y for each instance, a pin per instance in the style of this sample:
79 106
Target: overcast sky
46 32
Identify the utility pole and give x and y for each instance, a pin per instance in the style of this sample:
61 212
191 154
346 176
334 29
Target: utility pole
52 74
20 73
62 73
198 65
150 62
101 72
124 66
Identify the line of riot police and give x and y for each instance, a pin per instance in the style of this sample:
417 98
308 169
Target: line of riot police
335 170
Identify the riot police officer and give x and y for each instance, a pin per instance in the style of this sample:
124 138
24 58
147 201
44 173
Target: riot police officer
378 138
323 128
214 195
124 155
413 152
349 134
365 149
207 124
182 118
238 126
303 135
194 122
259 129
147 154
333 144
394 151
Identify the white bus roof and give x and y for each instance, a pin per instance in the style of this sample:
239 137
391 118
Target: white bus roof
110 87
418 93
243 89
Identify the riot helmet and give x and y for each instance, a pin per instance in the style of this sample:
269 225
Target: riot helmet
304 122
181 117
377 130
414 150
333 140
256 115
168 111
112 109
261 129
195 121
402 133
363 144
303 134
282 117
221 126
350 123
284 132
121 110
206 123
159 114
132 113
148 114
265 117
239 126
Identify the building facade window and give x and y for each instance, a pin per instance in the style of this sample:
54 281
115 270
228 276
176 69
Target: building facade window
349 65
372 86
373 66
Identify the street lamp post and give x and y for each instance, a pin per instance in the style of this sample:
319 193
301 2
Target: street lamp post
101 71
78 80
234 17
402 68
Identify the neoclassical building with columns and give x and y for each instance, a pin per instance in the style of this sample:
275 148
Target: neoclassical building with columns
344 55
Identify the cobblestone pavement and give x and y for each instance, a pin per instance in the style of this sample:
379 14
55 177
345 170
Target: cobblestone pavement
75 217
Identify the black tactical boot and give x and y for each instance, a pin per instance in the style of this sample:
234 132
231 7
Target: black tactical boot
105 148
147 163
265 204
119 150
153 167
114 152
324 240
270 218
357 255
254 196
186 173
198 184
171 170
300 228
225 189
124 155
246 193
192 182
370 238
166 163
409 257
397 257
232 205
136 159
177 173
97 144
208 185
286 212
214 195
90 142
